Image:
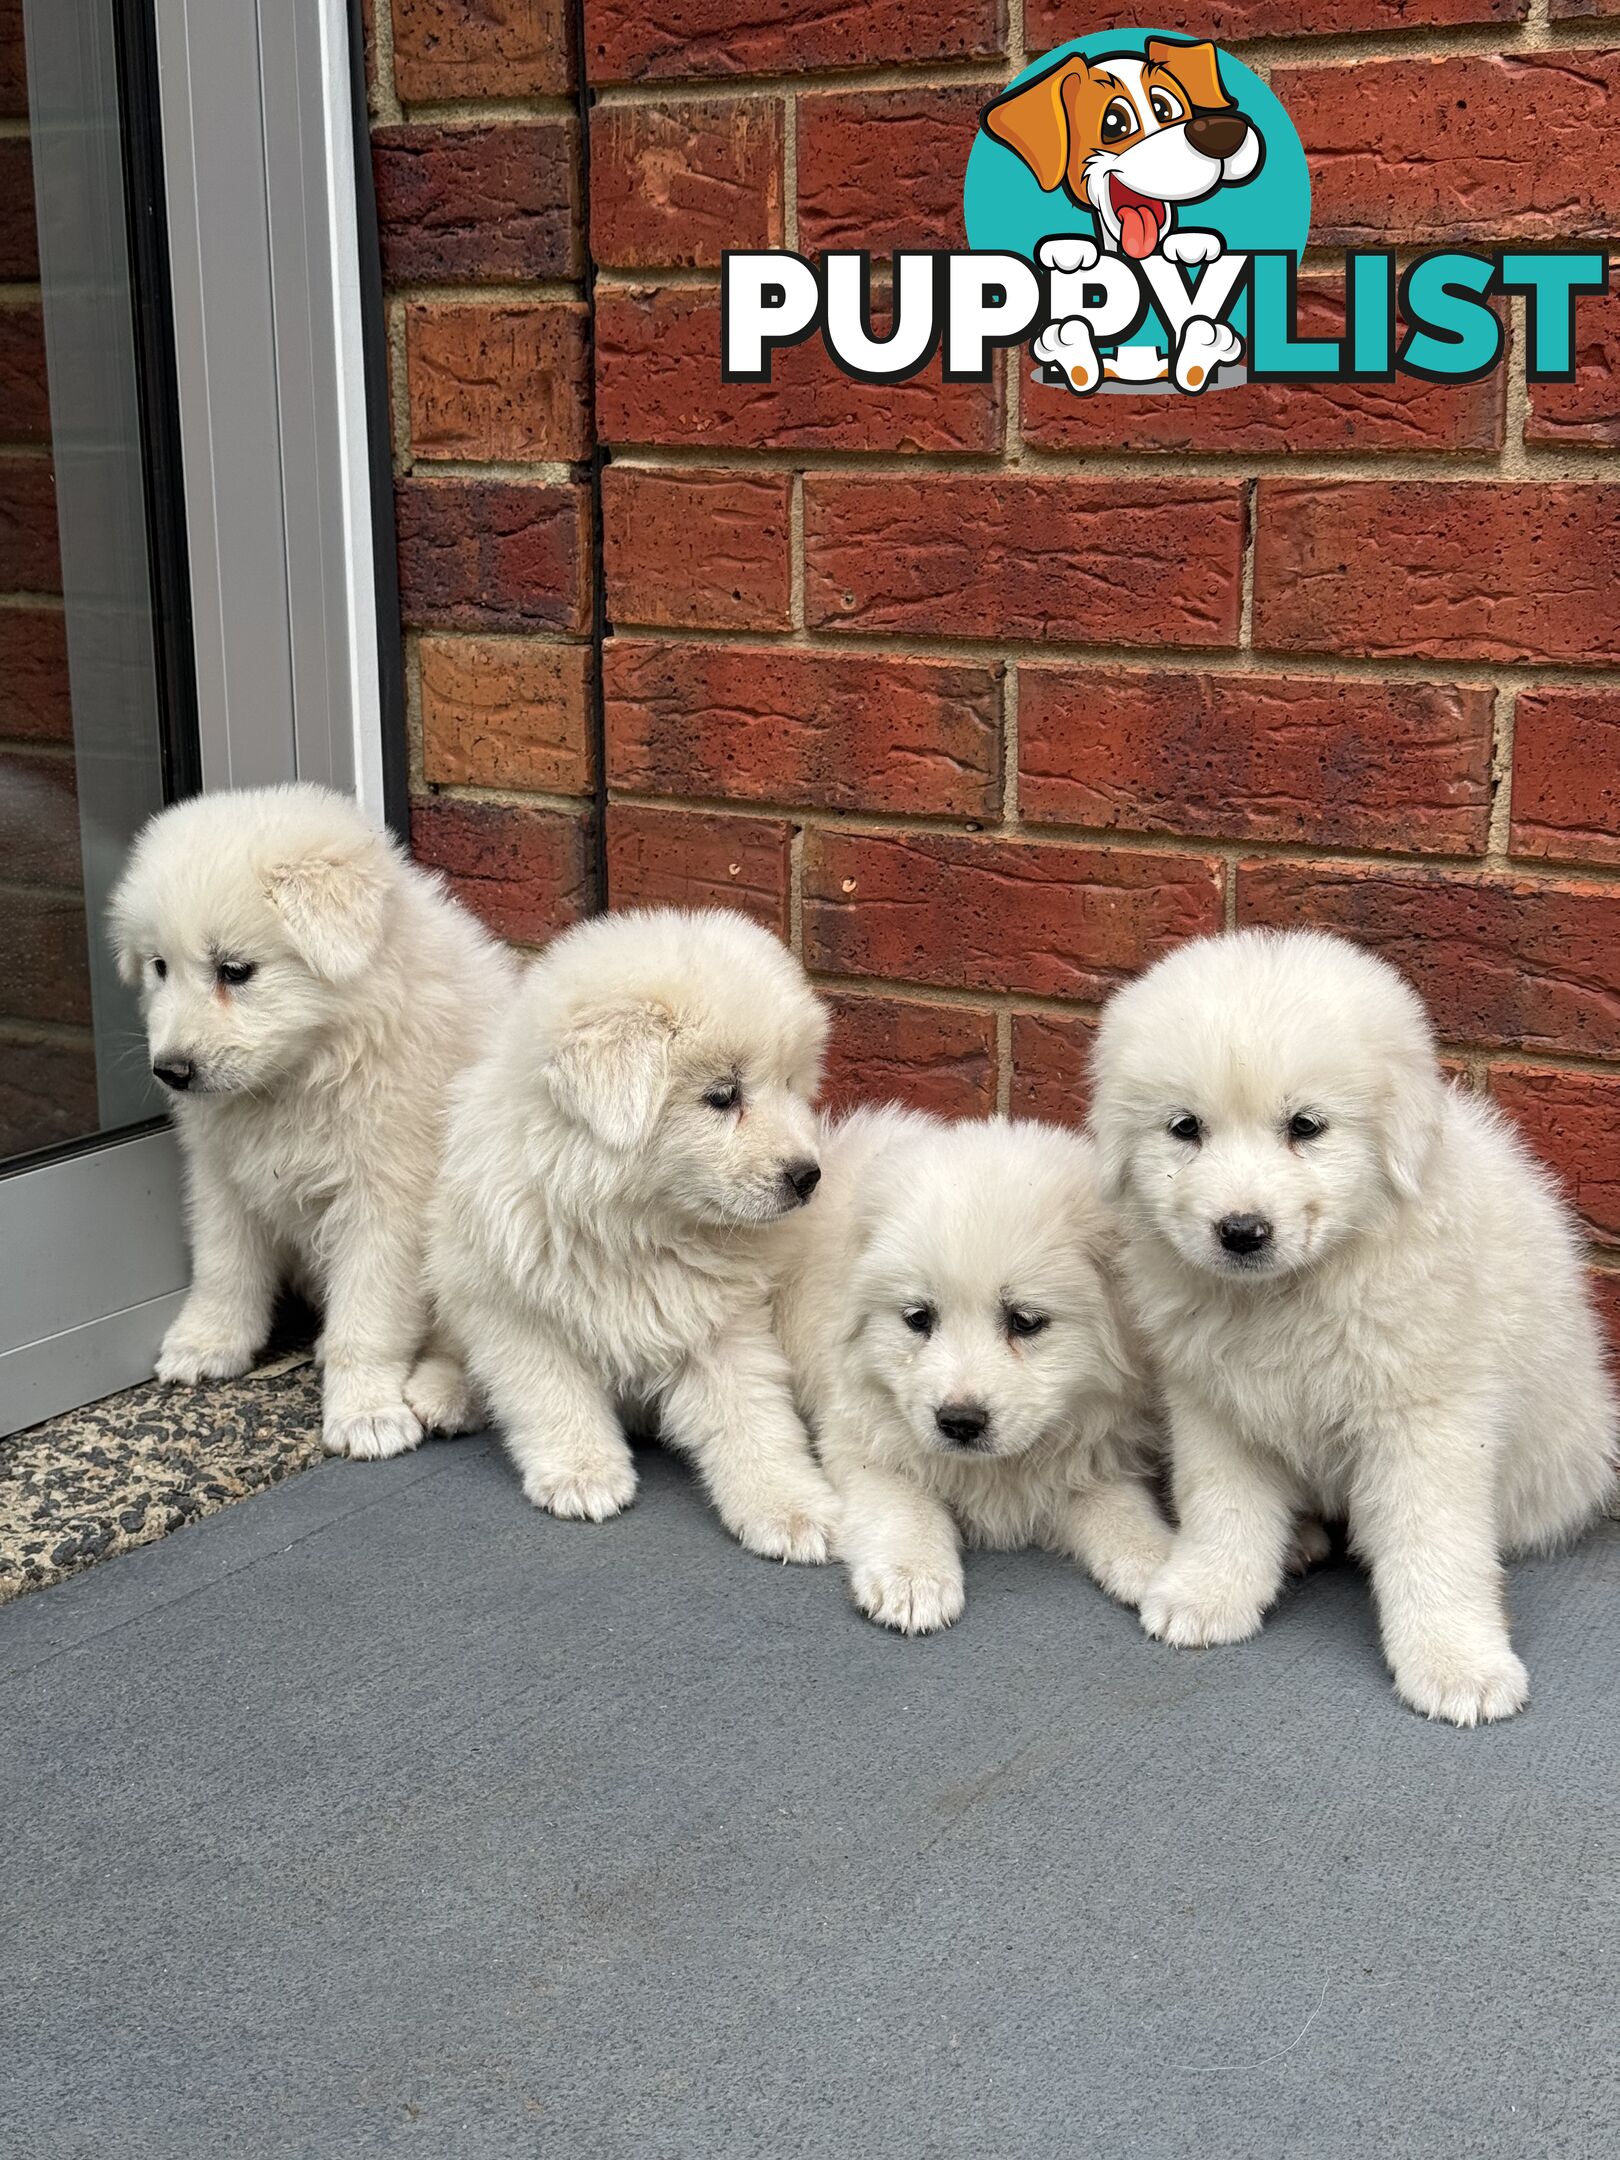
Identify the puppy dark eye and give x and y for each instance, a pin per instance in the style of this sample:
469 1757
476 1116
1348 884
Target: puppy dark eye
160 968
1020 1322
919 1318
1306 1125
1186 1127
236 972
1164 110
724 1095
1117 122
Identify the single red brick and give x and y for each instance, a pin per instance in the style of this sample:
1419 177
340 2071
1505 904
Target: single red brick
1566 775
19 238
1459 147
1606 1297
29 558
678 184
682 858
1444 571
1278 418
25 400
505 712
1516 963
1585 410
1579 10
931 1057
45 959
48 1090
494 201
39 819
1151 562
630 42
1231 22
699 550
492 555
998 914
882 169
1572 1120
36 704
13 62
658 382
524 872
1051 1055
764 723
499 382
1257 757
447 49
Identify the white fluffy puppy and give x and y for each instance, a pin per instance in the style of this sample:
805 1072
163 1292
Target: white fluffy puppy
307 996
597 1239
961 1351
1364 1297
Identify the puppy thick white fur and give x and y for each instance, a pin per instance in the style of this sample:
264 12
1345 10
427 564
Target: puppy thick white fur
598 1236
964 1359
1364 1297
307 996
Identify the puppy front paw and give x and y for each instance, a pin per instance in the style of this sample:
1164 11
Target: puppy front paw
795 1525
1195 1613
371 1435
1130 1573
1462 1685
913 1597
582 1491
441 1395
191 1354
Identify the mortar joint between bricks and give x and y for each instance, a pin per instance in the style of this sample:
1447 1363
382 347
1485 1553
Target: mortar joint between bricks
1004 1060
1498 838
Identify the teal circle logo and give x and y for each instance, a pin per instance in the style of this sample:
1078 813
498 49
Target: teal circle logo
1157 153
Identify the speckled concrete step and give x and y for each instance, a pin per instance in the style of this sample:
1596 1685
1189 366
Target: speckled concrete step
123 1472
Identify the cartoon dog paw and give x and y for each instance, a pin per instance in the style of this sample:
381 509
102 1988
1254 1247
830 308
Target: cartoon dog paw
1203 347
1069 345
1066 252
1190 247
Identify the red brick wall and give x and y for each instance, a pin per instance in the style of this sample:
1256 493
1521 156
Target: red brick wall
984 695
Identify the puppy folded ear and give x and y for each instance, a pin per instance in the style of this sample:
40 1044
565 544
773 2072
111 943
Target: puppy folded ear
121 934
610 1071
1033 120
1198 70
1412 1120
331 905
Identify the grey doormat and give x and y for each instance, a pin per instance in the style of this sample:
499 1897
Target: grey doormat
389 1816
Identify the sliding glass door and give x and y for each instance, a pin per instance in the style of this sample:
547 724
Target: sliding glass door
187 589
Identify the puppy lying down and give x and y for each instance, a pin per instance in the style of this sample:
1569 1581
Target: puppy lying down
960 1350
598 1236
1364 1297
307 995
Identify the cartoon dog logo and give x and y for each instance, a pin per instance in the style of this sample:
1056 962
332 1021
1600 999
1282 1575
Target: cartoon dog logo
1133 138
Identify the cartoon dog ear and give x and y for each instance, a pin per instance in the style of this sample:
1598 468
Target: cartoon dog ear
1033 120
331 905
610 1069
1412 1120
1197 69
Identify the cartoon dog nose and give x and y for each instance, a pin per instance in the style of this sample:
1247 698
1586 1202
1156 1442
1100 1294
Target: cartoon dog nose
802 1178
1243 1234
1217 135
173 1072
963 1423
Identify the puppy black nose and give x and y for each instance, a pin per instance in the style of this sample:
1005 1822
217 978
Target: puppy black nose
1243 1234
173 1072
1218 135
802 1179
964 1424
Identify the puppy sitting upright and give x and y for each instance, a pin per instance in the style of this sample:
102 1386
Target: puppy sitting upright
597 1237
307 995
963 1357
1364 1297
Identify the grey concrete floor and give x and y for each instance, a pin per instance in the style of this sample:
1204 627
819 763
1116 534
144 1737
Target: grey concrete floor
381 1814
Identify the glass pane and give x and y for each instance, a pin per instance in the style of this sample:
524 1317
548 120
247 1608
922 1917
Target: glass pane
95 726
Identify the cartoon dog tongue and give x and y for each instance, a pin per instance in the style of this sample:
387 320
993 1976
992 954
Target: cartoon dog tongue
1141 219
